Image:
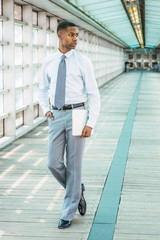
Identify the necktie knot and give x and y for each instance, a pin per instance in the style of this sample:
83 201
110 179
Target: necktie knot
63 57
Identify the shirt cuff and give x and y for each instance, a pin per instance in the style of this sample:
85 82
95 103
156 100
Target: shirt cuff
45 110
90 123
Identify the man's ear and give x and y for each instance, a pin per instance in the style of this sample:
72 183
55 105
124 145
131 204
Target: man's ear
60 33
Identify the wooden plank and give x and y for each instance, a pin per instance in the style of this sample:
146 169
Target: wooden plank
28 218
139 211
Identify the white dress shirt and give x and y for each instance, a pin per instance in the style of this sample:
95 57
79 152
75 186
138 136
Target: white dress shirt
81 84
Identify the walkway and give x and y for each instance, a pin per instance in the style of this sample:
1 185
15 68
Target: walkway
139 211
31 199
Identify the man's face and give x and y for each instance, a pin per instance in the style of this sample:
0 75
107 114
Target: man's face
69 37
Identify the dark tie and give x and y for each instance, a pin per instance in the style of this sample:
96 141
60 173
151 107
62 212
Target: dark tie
61 82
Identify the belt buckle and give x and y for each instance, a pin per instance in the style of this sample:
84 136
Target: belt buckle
62 108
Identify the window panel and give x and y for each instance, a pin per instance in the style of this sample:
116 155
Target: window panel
138 65
18 12
0 7
35 36
19 97
138 56
48 23
130 64
1 55
19 119
146 56
48 51
1 30
18 76
154 56
1 104
35 74
18 55
130 56
48 39
35 93
1 128
1 79
35 18
36 111
18 33
35 55
146 64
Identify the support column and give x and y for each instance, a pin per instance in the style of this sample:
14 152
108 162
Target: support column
53 27
86 42
42 36
9 58
28 71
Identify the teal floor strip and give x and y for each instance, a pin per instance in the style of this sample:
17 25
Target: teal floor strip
105 219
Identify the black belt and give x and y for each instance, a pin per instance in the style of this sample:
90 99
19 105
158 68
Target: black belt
67 107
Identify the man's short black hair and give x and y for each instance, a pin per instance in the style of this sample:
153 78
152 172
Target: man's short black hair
64 25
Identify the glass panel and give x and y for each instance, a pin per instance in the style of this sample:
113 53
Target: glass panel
35 94
18 55
1 79
138 56
0 7
1 128
1 104
35 74
130 56
48 51
19 97
146 57
139 65
1 59
19 119
35 55
130 64
48 23
0 30
155 66
154 56
36 111
18 33
146 64
35 18
48 39
18 77
35 36
18 12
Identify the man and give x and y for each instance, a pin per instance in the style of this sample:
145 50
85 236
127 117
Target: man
70 78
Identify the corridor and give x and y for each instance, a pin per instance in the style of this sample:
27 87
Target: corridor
120 171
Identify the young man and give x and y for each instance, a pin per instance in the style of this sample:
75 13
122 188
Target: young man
70 78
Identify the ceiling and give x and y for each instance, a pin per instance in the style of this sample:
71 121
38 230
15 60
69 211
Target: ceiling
152 23
109 19
112 16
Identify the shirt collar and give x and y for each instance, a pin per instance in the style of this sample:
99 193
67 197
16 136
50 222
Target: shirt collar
68 54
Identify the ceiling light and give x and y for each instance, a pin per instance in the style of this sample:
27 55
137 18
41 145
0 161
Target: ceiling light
135 17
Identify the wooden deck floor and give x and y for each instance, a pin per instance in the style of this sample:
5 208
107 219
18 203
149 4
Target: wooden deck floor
139 211
31 199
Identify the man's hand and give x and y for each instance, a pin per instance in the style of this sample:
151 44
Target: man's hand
86 132
49 114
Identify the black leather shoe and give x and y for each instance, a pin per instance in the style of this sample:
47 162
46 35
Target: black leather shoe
64 224
82 203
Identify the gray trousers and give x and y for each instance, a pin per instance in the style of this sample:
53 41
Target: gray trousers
67 174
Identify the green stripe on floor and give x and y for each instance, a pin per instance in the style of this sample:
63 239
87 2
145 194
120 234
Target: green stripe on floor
105 219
